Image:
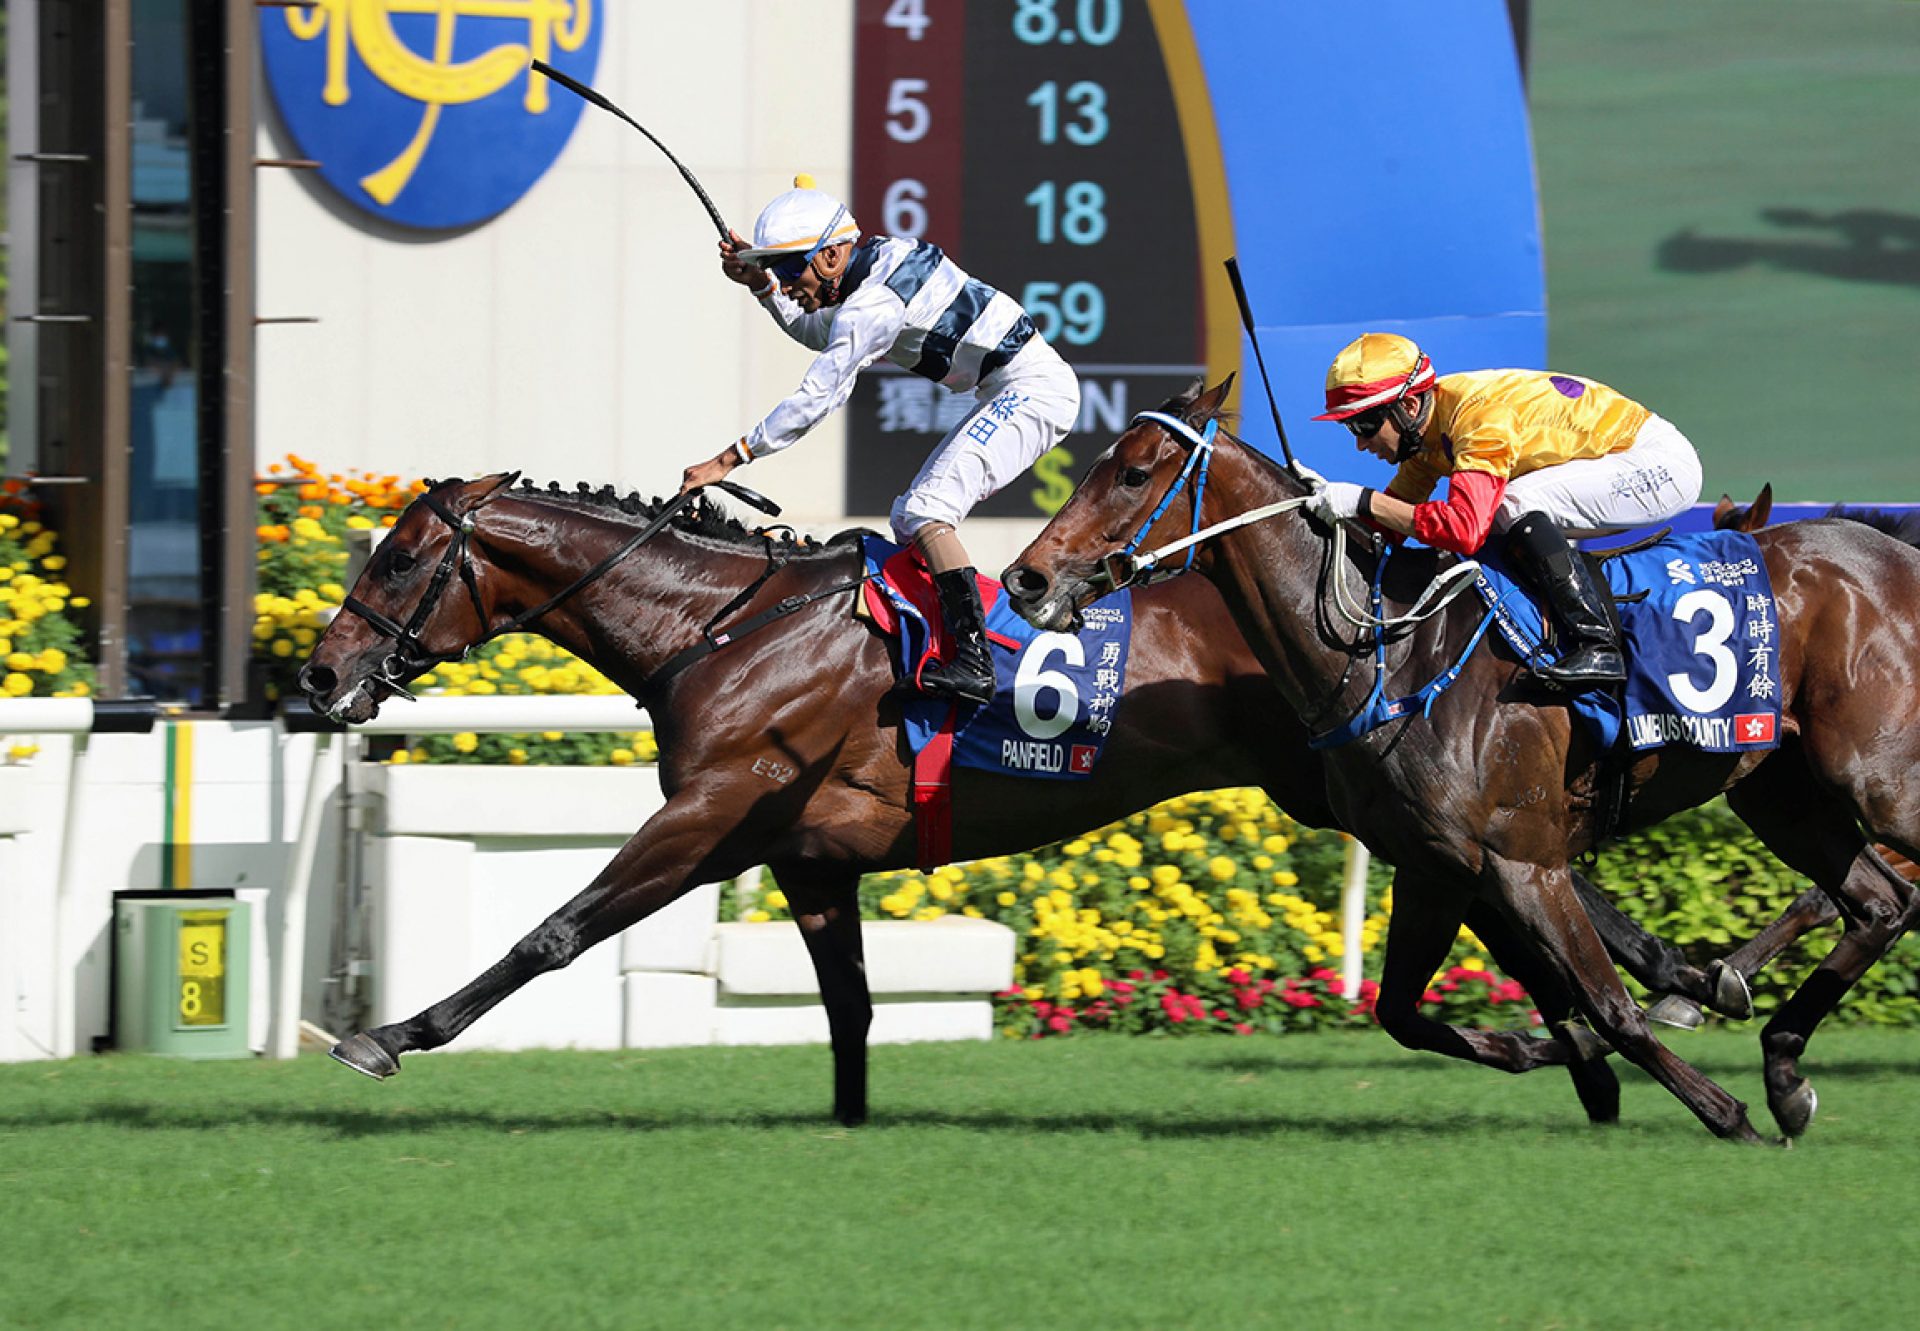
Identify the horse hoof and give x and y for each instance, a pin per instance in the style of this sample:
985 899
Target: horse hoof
1678 1011
363 1054
1794 1110
1731 996
1587 1046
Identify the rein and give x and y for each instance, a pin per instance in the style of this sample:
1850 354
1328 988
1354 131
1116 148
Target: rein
1124 567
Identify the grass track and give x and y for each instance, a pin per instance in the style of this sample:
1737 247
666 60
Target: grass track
1326 1180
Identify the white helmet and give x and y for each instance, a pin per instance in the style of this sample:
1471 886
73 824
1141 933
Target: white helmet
802 221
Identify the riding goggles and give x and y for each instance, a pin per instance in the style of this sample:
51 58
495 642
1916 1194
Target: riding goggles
1367 424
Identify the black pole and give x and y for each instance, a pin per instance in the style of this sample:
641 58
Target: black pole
1246 321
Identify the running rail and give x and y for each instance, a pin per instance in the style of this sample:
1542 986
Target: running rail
81 718
477 714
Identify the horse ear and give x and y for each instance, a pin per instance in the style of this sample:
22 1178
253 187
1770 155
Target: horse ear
1210 402
1724 513
1762 507
493 485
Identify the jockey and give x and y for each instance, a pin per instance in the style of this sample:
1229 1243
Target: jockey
1535 455
855 301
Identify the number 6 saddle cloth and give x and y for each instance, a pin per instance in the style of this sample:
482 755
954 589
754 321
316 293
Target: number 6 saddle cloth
1702 644
1056 699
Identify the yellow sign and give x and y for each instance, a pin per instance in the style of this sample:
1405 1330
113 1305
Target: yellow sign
203 967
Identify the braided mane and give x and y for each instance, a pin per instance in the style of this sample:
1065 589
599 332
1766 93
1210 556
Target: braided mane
702 518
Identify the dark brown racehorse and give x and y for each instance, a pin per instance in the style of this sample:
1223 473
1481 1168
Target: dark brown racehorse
1812 908
1485 800
785 748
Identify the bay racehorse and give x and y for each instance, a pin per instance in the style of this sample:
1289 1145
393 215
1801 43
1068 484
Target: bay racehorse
786 747
1485 799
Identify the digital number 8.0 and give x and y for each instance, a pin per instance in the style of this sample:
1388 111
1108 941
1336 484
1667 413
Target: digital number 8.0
1096 22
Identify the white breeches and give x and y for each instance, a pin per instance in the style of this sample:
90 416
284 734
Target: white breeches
1654 479
1023 409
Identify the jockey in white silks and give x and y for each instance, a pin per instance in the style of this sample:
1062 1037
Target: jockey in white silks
857 300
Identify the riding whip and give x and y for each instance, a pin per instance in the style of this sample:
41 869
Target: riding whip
585 93
1246 320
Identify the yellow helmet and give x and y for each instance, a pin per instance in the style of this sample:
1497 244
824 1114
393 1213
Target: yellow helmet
1374 370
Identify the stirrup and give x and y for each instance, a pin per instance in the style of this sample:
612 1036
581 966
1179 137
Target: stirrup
960 687
1584 668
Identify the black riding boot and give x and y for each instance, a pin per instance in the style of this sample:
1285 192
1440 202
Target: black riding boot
968 676
1591 655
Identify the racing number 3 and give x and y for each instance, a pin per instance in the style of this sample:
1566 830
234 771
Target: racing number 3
1711 644
1031 678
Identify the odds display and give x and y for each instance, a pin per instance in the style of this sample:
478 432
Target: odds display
1038 144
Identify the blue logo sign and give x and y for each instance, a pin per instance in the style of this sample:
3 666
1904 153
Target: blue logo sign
424 112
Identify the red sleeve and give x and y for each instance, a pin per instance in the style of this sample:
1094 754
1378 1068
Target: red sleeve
1461 522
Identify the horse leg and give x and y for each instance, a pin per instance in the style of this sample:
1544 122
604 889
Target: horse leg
1593 1079
1421 930
1539 898
1811 909
1815 832
1656 963
674 851
825 904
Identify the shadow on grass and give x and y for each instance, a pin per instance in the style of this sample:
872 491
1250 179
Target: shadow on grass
348 1124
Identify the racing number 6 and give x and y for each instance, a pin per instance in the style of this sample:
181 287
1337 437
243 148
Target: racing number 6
1710 644
1032 677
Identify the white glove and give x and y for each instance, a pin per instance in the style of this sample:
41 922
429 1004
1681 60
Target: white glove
1337 500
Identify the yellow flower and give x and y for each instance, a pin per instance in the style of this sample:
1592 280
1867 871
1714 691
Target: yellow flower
758 917
621 757
1222 868
777 899
400 758
19 753
516 756
16 685
1006 898
466 742
1166 875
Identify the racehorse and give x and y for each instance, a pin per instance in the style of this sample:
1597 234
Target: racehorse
1812 908
786 747
1486 798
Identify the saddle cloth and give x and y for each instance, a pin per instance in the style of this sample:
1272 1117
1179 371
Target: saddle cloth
1702 650
1057 695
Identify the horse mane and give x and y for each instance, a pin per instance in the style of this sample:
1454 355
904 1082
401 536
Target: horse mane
1901 526
702 518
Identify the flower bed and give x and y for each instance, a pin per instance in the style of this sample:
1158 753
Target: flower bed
41 652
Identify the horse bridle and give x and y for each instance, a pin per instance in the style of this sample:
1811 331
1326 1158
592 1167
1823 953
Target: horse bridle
1125 568
409 658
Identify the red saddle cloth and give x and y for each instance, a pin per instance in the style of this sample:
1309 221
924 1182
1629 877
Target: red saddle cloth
906 577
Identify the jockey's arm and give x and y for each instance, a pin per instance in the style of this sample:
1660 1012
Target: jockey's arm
1459 523
863 331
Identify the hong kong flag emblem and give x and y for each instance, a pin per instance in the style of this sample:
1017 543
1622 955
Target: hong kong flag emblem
1753 728
1080 763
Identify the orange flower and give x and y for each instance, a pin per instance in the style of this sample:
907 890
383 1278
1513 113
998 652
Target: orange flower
266 488
310 511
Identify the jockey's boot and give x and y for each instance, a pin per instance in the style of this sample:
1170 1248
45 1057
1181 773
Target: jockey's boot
968 675
1591 655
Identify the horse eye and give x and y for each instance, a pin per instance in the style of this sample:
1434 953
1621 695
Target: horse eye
403 561
1134 477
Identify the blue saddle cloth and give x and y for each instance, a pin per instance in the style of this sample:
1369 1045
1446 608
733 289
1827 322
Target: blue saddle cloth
1703 663
1057 695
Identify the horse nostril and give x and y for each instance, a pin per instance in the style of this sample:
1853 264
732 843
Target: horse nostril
318 679
1026 583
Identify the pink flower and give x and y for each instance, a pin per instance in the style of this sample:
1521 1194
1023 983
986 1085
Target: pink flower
1241 1028
1237 976
1061 1022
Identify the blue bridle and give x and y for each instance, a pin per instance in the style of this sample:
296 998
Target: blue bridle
1199 455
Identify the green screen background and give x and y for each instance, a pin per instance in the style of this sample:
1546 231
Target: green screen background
1730 193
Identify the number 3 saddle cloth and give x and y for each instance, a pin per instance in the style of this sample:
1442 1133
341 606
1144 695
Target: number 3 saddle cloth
1701 640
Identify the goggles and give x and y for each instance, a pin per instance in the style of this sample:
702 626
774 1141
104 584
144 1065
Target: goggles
1367 424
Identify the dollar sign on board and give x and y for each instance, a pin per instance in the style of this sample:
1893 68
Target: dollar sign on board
1055 489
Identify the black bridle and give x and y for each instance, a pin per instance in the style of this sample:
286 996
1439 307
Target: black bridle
409 658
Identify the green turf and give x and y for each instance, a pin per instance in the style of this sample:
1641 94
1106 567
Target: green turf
1327 1180
1732 227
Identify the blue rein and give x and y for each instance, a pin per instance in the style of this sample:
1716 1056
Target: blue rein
1199 454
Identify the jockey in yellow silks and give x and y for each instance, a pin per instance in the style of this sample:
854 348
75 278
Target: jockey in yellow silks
1532 454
